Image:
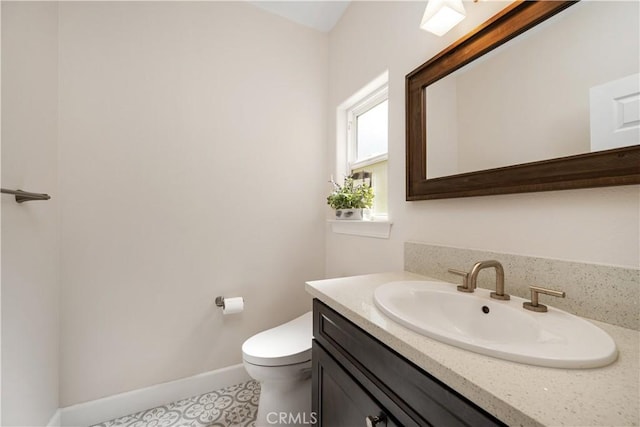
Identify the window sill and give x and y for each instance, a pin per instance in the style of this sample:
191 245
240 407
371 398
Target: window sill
380 229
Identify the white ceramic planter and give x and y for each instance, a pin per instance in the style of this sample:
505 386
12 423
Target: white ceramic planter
353 214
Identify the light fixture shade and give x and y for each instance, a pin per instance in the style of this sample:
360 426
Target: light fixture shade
442 15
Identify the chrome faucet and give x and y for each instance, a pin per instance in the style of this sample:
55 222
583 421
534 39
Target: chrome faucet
469 283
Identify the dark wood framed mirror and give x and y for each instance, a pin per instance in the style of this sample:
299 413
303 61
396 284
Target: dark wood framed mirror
617 166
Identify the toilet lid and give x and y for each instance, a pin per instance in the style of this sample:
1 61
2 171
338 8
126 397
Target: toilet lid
286 344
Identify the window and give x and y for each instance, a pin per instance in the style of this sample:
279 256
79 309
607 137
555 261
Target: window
367 136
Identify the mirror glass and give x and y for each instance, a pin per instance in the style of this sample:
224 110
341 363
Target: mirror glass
568 86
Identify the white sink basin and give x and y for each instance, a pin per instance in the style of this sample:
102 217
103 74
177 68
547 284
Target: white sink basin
502 329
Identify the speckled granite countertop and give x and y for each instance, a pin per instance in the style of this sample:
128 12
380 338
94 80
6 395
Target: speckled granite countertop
517 394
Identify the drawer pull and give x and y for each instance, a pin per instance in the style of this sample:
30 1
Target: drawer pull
374 420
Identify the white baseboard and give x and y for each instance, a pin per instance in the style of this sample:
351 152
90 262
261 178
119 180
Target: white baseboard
55 420
119 405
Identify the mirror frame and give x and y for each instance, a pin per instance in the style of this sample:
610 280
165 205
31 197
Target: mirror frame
620 166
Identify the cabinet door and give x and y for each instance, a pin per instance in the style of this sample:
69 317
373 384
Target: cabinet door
338 400
410 396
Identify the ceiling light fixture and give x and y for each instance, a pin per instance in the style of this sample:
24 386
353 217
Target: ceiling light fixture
442 15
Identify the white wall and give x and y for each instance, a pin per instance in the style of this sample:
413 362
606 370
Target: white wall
589 225
192 164
30 235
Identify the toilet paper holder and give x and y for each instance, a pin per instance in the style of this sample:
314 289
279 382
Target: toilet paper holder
231 305
220 301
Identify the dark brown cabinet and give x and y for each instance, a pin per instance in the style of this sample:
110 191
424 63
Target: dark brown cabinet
358 381
344 402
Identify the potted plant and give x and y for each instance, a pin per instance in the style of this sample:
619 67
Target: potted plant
351 200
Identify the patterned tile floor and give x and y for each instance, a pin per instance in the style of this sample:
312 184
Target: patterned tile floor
228 407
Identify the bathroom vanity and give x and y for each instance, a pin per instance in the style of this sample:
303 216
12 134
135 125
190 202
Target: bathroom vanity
357 380
369 370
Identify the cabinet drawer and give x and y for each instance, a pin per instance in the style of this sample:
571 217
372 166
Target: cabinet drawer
403 388
339 401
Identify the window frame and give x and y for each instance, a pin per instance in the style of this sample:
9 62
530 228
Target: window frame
368 102
364 103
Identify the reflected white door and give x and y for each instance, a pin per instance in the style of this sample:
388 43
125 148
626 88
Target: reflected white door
615 113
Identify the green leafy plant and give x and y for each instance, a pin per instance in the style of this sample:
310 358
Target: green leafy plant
350 195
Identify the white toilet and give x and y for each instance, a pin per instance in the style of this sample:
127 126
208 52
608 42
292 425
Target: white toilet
280 360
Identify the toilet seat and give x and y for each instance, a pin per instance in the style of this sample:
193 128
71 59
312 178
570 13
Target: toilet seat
287 344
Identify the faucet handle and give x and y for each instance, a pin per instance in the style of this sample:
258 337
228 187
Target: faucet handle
535 291
465 280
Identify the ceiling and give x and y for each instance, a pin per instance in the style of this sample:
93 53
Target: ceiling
320 15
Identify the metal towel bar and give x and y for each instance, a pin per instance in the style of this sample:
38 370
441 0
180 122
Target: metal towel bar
25 196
